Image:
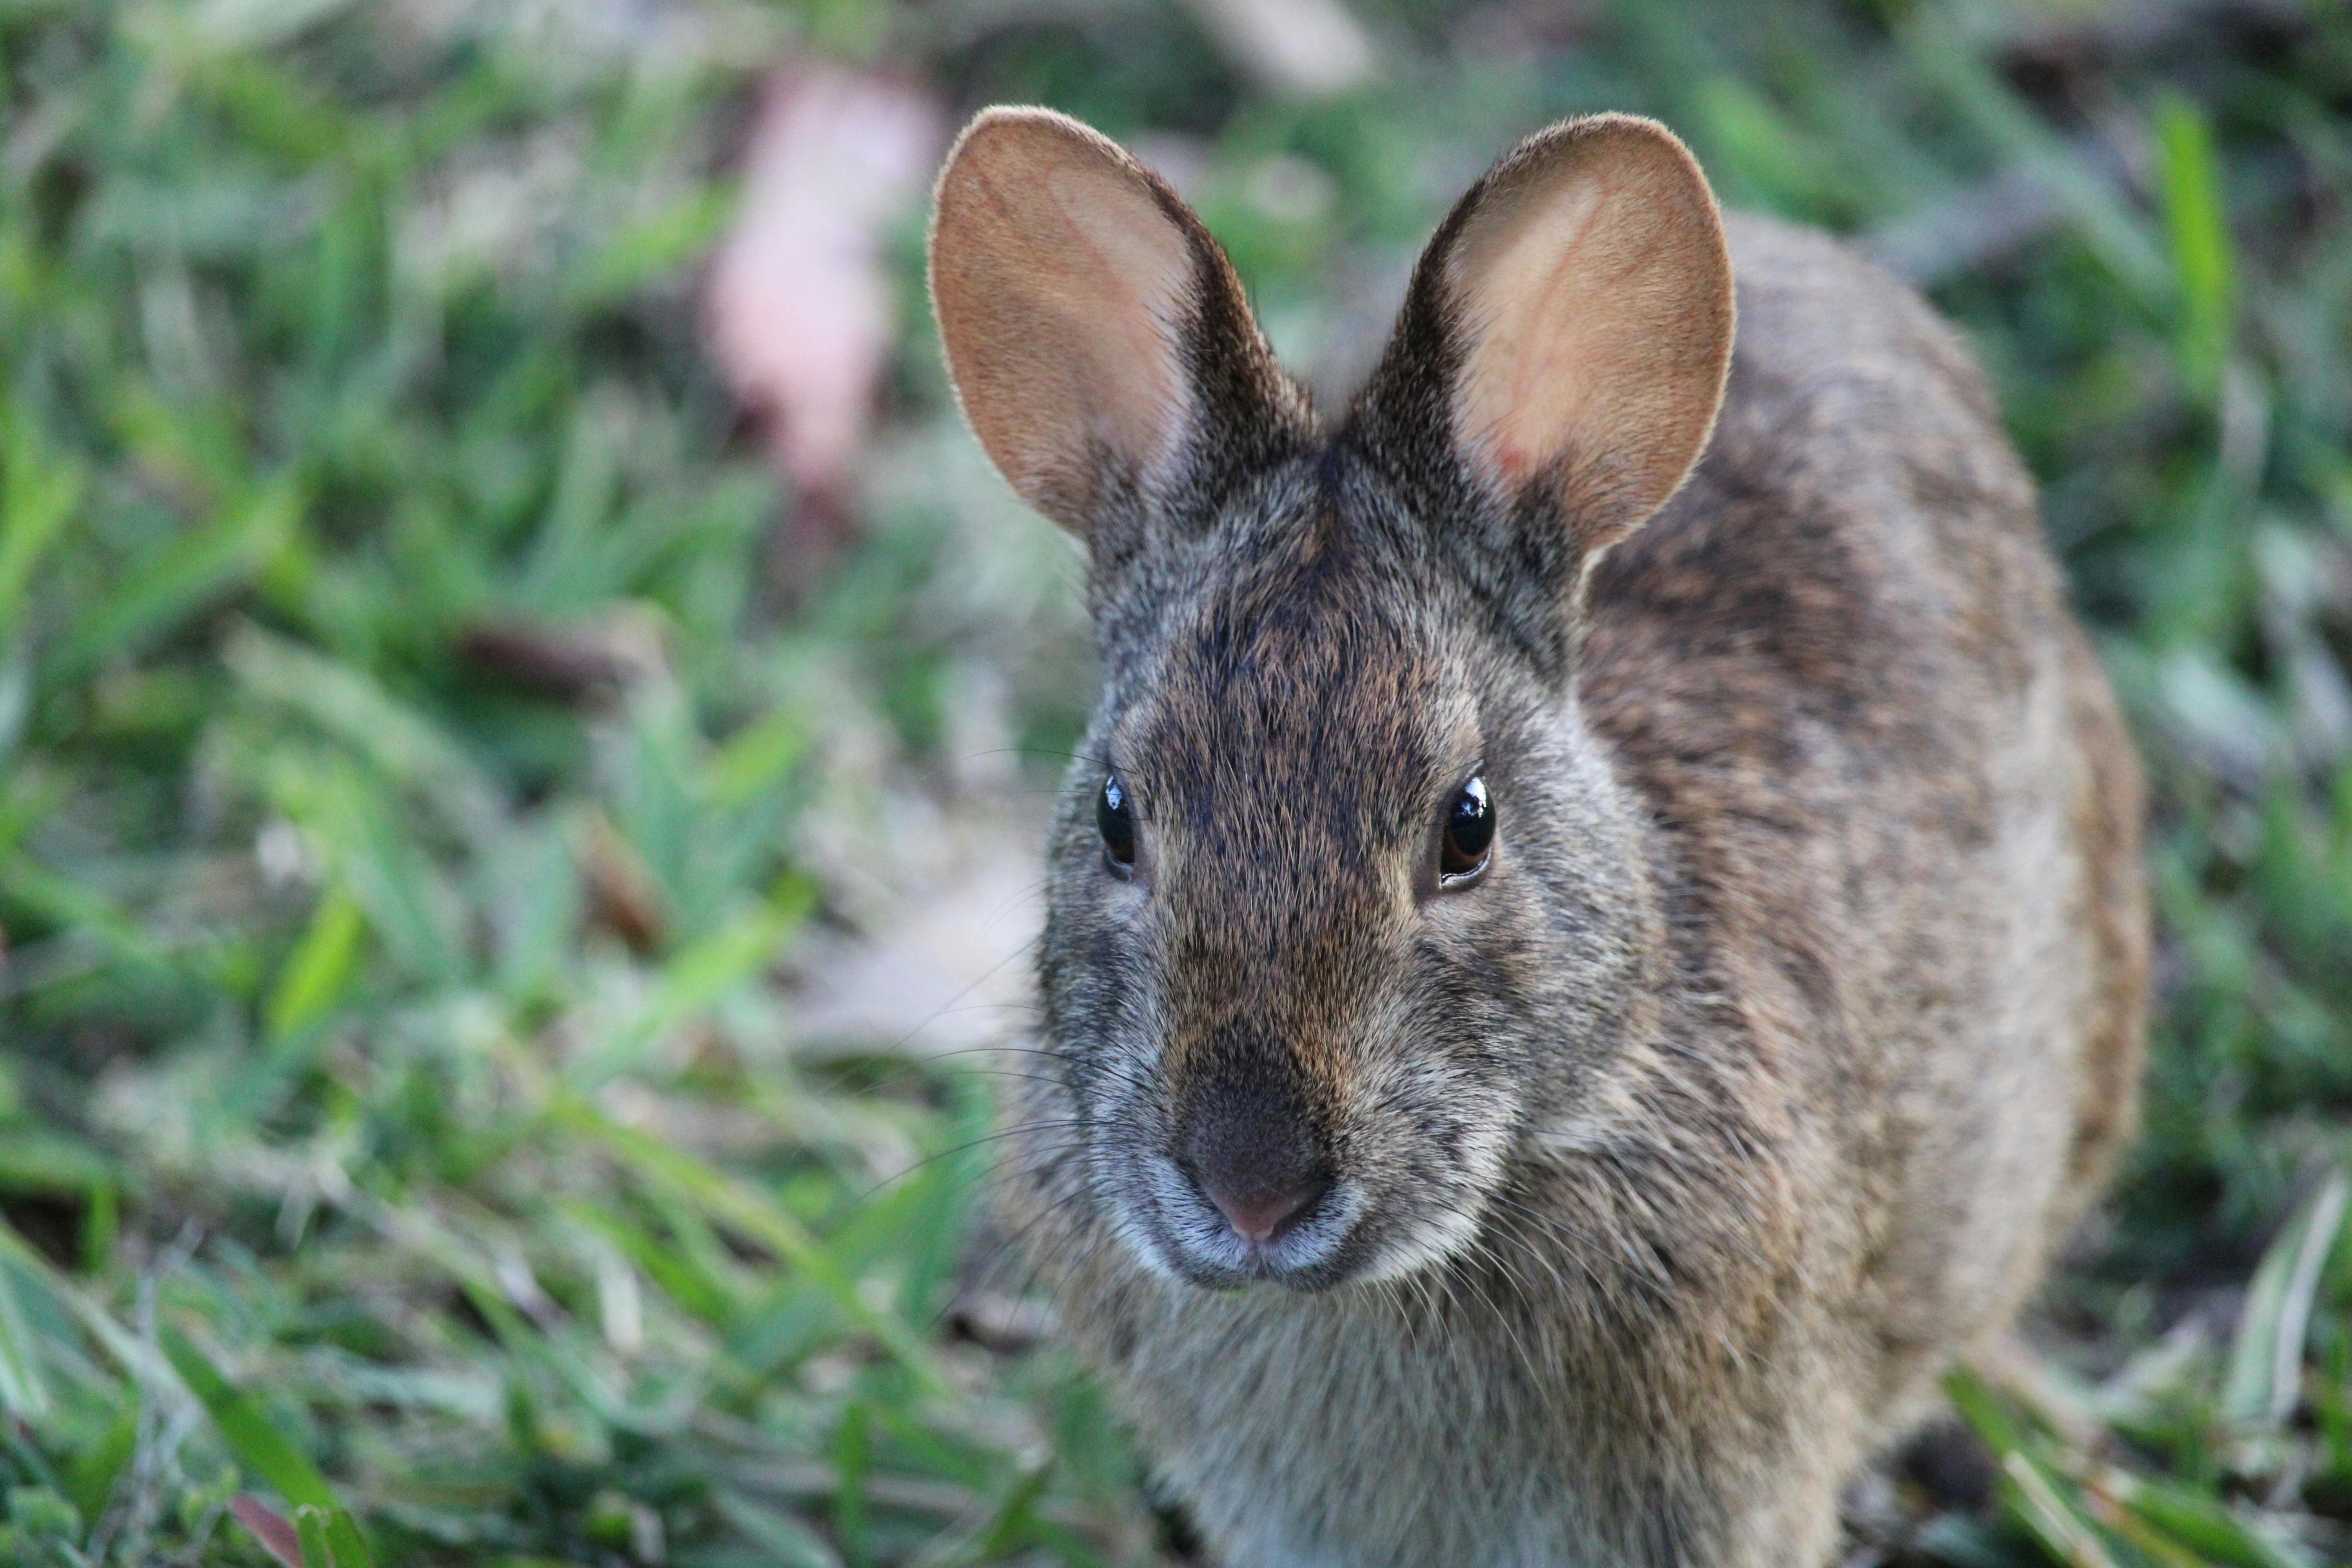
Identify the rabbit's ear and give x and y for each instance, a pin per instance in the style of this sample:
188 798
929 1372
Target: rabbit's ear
1099 342
1567 334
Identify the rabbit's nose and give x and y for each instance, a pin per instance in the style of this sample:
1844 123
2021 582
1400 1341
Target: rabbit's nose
1259 1166
1262 1214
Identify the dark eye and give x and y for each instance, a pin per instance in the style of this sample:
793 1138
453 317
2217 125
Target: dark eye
1117 820
1469 834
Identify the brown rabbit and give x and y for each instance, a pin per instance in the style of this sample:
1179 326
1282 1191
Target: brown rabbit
1601 942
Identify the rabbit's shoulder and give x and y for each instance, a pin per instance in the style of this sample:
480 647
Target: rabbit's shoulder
1854 576
1838 672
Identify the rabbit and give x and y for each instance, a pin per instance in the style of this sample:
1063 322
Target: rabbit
1596 942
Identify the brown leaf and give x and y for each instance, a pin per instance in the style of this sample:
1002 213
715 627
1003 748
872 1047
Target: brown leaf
573 663
623 896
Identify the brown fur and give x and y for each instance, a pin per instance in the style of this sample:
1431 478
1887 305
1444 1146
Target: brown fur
1795 1018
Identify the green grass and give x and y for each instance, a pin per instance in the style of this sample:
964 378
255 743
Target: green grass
398 1116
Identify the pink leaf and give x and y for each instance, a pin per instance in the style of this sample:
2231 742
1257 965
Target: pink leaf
801 312
269 1527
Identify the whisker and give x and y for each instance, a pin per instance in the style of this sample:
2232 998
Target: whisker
982 978
1495 1308
912 1069
1000 1133
1008 1245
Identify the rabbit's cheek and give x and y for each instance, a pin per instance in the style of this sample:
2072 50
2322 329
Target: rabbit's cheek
1432 1151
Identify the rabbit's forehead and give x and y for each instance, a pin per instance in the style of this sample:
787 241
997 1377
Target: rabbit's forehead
1303 703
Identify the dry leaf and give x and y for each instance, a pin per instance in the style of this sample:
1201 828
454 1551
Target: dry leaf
800 312
573 663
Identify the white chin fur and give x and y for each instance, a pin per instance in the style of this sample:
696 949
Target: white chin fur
1429 1245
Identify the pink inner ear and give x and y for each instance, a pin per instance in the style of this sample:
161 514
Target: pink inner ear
1594 291
1523 383
1129 272
1542 271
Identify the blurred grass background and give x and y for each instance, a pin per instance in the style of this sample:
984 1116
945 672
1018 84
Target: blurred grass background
446 722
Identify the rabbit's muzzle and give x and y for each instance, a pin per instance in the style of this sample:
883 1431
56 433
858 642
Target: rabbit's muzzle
1238 1163
1241 1177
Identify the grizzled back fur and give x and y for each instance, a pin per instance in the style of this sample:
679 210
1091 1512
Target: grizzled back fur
1597 941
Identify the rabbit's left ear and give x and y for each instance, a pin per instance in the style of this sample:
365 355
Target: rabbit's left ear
1567 333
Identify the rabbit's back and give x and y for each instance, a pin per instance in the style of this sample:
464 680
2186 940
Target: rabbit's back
1896 806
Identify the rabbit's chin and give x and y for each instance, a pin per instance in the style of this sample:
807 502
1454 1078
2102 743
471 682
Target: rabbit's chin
1348 1236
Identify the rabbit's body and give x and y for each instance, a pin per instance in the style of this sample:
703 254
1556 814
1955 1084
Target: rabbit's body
1651 1180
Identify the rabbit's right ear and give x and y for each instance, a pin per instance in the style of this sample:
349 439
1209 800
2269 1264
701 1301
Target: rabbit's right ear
1097 336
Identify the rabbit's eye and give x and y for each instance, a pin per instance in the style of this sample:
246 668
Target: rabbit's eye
1469 834
1116 818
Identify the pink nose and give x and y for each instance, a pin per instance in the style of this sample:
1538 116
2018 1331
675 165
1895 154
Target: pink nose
1261 1215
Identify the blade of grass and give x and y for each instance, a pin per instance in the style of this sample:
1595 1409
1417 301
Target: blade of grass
2114 235
61 901
258 1445
650 248
346 703
694 979
1013 1519
2037 1502
310 1532
130 1352
322 964
792 1543
195 570
2265 1376
23 1393
38 495
377 855
674 1270
735 1205
2197 225
2033 1493
346 1548
852 1450
2194 1527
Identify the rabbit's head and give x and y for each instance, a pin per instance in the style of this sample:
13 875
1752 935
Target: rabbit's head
1345 909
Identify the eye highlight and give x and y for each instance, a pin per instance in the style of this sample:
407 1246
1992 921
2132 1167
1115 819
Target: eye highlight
1468 836
1114 819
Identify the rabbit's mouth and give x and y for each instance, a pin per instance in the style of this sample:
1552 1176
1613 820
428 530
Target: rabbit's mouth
1236 1176
1344 1235
1179 1230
